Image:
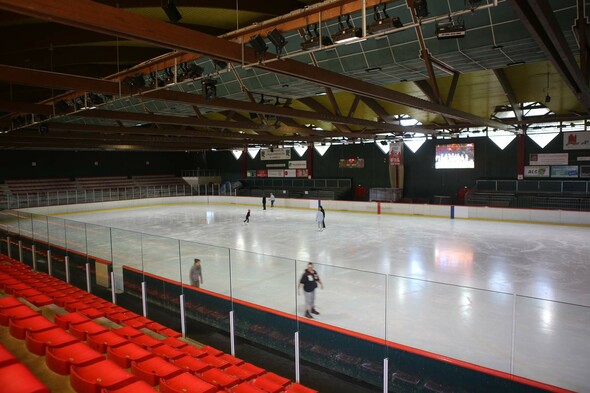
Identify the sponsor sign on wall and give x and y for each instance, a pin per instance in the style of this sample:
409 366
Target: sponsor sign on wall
301 172
290 172
275 154
351 163
584 170
261 173
537 171
549 159
576 140
276 172
297 164
564 171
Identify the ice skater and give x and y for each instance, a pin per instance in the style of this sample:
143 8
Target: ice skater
272 200
323 217
264 202
319 217
196 274
247 220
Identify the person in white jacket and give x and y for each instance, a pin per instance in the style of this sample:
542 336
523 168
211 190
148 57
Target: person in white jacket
319 217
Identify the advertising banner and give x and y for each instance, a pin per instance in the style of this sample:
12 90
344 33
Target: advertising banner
537 171
276 172
301 172
564 171
396 153
261 173
584 170
290 172
297 164
549 159
576 140
275 154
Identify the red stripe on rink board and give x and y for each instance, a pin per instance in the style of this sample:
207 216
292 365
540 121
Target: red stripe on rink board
419 352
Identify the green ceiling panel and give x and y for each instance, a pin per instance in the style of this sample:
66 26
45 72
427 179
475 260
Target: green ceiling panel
332 65
354 63
379 58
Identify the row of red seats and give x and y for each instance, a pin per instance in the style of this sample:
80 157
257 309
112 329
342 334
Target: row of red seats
15 377
76 344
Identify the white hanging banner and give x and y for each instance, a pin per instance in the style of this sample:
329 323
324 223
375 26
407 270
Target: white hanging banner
275 154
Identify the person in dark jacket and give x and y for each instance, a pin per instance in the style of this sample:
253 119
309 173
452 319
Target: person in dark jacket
264 202
309 281
247 220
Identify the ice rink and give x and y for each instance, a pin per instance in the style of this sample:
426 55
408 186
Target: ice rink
513 297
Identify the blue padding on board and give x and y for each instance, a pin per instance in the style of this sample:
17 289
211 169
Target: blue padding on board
452 212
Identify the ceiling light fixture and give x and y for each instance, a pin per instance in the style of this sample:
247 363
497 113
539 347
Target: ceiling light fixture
209 89
383 21
259 46
277 39
421 8
347 33
171 11
547 97
450 29
313 39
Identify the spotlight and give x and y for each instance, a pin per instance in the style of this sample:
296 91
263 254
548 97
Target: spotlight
209 89
171 10
312 38
62 107
421 8
347 33
43 129
383 21
257 42
136 81
547 99
220 64
192 71
277 40
450 29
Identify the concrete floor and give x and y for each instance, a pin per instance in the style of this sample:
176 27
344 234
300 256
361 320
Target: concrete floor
513 297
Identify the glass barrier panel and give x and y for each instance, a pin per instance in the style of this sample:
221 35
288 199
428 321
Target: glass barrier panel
76 248
461 323
551 343
207 304
342 321
161 267
25 224
264 301
57 244
40 232
25 230
4 233
127 268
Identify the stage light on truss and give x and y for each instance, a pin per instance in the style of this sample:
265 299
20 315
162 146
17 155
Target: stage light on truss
347 33
171 11
312 38
209 89
450 29
421 8
259 46
277 39
382 21
220 64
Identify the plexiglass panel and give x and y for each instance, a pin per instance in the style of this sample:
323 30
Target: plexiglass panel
447 319
98 241
40 229
128 268
161 266
551 343
359 354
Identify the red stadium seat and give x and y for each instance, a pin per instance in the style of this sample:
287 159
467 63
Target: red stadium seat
186 383
191 364
123 355
37 342
16 378
174 342
18 328
152 369
96 376
145 341
64 321
60 359
240 373
245 387
127 332
9 302
91 312
6 357
133 387
167 352
231 359
193 351
215 361
297 388
252 368
267 385
85 329
19 312
219 378
101 341
212 351
276 379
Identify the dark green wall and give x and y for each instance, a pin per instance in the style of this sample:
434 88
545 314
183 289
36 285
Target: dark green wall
421 179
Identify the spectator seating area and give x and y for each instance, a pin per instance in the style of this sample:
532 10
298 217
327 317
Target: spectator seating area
101 347
33 186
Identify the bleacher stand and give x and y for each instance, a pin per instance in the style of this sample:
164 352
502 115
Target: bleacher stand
158 180
29 186
95 183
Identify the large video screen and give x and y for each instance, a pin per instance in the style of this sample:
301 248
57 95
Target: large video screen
455 156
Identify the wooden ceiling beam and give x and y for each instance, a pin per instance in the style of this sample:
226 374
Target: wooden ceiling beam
97 17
